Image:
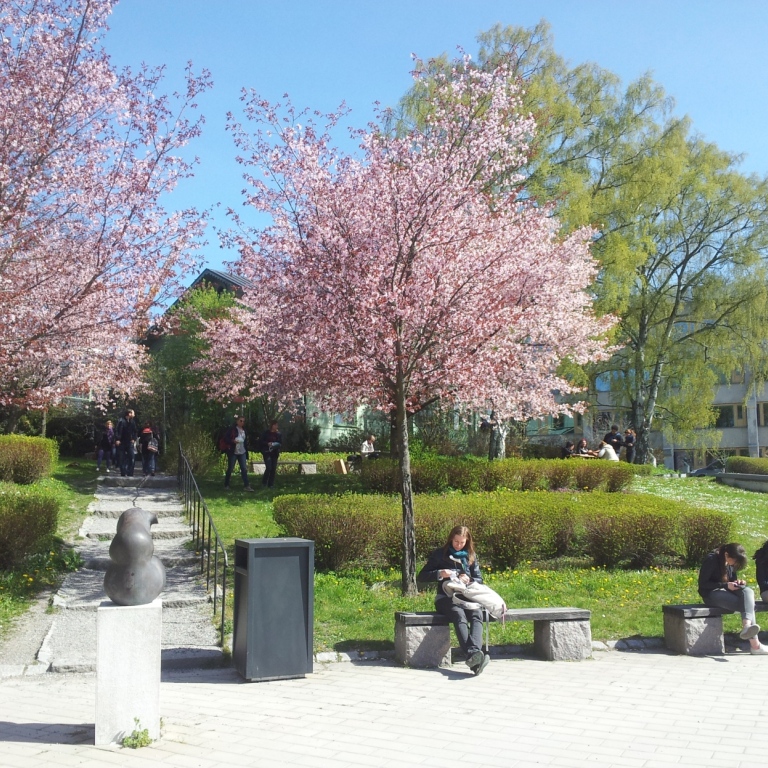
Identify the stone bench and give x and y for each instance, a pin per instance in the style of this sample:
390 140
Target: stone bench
697 630
559 634
304 467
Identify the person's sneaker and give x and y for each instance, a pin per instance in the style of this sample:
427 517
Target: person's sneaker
475 660
482 665
248 488
761 650
747 633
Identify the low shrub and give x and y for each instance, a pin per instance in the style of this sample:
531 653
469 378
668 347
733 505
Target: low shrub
441 474
701 532
746 466
508 526
200 450
25 460
344 528
28 517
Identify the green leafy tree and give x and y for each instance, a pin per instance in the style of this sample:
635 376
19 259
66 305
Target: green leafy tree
680 231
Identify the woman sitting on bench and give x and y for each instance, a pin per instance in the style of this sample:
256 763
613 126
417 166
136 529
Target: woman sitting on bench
720 587
457 559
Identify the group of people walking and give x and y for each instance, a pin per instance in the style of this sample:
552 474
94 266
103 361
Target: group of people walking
609 448
237 447
118 446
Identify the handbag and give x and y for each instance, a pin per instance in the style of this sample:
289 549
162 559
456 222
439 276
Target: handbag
152 445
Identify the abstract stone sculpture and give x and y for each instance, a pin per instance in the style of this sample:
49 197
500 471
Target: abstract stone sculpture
135 576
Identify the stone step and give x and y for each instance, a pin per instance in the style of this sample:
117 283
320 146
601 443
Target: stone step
104 528
159 481
113 509
83 590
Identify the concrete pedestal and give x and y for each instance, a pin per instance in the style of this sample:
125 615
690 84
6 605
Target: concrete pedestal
127 670
694 636
562 640
422 640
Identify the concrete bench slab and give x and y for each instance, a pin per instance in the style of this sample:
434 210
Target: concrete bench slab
697 630
304 467
423 639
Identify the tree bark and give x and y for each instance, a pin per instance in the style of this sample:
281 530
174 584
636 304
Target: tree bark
497 444
406 492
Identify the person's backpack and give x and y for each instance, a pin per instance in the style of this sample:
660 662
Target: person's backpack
224 444
475 597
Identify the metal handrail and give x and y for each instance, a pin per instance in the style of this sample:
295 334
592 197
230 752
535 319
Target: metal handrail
204 534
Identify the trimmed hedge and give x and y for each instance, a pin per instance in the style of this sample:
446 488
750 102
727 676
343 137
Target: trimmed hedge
354 529
25 460
745 466
28 516
441 474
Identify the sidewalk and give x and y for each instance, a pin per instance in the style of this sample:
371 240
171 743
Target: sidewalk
642 710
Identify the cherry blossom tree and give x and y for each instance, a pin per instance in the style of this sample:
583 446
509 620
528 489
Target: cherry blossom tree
416 270
86 247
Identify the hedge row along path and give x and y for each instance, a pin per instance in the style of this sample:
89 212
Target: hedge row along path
69 644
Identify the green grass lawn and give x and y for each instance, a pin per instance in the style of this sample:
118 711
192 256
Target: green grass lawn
74 482
354 610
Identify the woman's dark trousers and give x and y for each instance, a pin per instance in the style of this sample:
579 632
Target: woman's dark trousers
241 459
468 624
270 469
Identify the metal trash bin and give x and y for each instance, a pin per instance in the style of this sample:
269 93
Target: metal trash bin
274 608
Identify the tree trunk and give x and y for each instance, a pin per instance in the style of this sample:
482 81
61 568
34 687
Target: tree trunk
497 444
406 493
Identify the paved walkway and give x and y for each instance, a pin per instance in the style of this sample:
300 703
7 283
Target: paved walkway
635 709
67 642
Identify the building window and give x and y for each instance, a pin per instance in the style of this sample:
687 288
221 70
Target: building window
737 377
762 413
724 416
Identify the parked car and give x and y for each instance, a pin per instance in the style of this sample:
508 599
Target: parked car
716 467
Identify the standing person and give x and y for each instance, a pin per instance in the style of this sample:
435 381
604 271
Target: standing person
457 559
629 445
614 439
105 449
720 587
271 442
149 449
237 440
125 440
761 568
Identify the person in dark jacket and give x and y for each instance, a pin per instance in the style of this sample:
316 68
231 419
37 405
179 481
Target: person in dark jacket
105 448
270 444
761 567
149 447
614 439
567 450
237 452
457 560
125 441
629 445
720 587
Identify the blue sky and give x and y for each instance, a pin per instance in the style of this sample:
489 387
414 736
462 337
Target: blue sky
712 57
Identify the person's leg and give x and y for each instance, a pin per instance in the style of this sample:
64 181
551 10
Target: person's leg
230 466
740 601
145 463
99 457
469 631
243 468
265 477
131 459
272 471
123 456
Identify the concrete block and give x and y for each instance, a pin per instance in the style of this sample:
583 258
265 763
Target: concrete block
562 640
128 641
308 469
694 636
422 646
